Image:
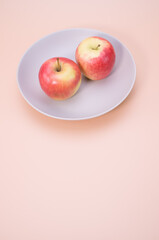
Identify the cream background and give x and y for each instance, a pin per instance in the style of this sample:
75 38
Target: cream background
95 179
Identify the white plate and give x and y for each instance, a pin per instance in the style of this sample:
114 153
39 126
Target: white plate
94 98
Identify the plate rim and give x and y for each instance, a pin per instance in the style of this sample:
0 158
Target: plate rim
81 118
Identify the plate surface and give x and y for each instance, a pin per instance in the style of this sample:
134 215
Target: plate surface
94 98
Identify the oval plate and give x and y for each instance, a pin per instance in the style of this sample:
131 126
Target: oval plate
94 98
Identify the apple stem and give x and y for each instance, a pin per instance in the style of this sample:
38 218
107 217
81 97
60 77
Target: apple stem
58 68
97 47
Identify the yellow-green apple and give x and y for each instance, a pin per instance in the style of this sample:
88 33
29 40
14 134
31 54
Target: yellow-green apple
95 57
60 78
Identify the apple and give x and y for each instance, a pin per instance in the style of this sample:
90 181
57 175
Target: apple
95 57
59 78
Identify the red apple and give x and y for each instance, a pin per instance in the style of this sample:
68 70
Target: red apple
95 57
60 78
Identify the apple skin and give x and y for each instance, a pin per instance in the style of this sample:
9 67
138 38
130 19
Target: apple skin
62 84
95 57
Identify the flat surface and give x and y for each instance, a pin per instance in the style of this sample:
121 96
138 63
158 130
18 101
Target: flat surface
95 179
94 98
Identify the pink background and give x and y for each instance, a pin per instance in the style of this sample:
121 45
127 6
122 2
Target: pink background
92 180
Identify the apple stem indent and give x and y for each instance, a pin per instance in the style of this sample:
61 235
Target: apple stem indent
58 68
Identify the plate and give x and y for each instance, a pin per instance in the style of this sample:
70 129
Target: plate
94 98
